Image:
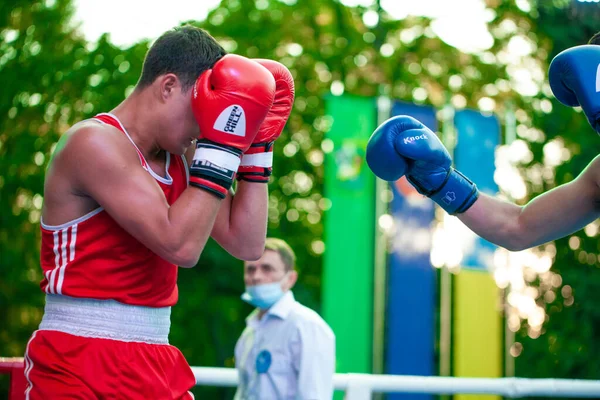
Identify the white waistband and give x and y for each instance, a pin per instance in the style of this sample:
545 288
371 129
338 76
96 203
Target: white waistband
106 319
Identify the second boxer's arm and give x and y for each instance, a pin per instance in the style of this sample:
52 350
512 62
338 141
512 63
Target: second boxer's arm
552 215
241 225
104 166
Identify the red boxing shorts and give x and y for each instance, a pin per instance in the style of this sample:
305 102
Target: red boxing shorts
62 365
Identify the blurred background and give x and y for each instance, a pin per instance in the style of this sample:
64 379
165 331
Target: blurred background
405 288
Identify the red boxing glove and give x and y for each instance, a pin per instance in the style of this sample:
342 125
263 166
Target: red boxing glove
230 102
257 161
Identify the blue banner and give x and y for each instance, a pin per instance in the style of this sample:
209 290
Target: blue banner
477 138
410 316
477 324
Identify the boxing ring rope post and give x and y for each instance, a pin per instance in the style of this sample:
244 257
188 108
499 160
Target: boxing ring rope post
362 386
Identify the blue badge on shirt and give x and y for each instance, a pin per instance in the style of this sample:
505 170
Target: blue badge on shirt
263 362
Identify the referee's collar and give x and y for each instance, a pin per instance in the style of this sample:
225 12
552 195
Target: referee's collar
283 307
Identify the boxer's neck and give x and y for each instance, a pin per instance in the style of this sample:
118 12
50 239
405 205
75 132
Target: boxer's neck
138 115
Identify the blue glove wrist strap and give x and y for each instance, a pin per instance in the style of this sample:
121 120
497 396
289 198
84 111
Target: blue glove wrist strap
456 194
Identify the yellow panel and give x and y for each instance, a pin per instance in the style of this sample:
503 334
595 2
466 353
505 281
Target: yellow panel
477 329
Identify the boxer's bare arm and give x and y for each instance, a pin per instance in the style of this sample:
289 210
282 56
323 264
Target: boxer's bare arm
552 215
241 224
101 164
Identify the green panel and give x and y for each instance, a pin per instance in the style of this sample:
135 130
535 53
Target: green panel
477 329
349 232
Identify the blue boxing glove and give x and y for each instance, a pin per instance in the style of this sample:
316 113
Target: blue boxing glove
574 77
382 157
404 145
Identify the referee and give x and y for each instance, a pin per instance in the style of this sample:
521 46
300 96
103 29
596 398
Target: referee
286 351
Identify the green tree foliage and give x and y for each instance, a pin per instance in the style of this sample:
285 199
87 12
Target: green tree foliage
571 332
52 78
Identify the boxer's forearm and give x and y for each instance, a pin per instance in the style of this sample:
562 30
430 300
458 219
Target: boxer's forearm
241 225
550 216
496 221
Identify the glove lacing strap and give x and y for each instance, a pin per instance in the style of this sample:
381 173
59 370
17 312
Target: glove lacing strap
452 189
257 163
214 167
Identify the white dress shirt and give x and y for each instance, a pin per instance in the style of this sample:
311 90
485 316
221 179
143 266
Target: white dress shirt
287 354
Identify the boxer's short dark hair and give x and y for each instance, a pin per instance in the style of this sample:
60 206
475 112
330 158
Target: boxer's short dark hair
186 51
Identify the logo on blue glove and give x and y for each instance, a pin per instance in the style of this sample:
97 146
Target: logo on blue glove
449 197
411 139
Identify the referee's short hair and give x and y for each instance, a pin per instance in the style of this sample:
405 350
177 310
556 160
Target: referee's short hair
284 250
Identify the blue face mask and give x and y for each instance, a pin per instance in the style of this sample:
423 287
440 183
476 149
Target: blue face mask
263 296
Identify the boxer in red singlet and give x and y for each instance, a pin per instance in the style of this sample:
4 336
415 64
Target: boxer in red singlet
129 196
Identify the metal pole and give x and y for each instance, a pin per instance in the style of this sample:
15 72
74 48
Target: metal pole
380 251
449 140
380 245
510 134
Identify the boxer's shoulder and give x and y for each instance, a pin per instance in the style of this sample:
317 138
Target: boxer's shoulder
588 183
594 170
90 138
595 166
91 130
